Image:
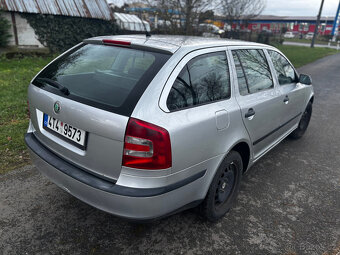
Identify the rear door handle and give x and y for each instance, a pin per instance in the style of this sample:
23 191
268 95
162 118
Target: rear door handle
250 114
286 100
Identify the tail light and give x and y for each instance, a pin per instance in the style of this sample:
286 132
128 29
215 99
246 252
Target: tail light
146 146
116 42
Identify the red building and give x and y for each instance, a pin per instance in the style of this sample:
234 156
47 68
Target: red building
291 23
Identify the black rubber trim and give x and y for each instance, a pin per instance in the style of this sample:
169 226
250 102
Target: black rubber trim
97 182
276 129
151 220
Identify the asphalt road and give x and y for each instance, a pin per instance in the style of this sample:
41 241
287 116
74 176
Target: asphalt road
289 202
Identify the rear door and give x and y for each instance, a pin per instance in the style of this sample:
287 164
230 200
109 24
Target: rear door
80 104
292 92
258 97
199 107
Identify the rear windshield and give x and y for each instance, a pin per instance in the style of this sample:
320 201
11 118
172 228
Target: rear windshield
108 77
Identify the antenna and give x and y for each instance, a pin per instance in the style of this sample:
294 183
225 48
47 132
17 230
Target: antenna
146 31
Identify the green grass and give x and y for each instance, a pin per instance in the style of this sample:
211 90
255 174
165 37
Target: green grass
15 75
308 41
301 56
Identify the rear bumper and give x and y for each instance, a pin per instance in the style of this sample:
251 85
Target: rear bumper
127 202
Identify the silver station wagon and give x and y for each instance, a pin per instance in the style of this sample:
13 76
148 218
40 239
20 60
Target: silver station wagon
143 127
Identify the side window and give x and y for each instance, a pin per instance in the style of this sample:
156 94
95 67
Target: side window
204 79
285 72
253 73
241 77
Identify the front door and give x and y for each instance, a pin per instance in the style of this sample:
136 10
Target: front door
292 92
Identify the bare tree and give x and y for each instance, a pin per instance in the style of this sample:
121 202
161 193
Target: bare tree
241 9
191 10
168 12
181 14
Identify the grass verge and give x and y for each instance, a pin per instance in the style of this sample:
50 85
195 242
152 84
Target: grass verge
308 41
15 75
301 56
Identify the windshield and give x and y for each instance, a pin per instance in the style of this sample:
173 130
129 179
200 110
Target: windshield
107 77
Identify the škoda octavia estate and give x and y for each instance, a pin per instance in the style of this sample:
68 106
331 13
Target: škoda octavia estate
142 127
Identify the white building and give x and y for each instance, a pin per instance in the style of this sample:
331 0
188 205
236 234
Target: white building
130 22
23 34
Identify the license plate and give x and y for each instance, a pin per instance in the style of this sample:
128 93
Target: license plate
63 129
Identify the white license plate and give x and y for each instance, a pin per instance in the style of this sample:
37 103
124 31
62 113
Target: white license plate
68 131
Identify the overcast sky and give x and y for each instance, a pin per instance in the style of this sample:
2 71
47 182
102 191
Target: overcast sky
300 7
290 7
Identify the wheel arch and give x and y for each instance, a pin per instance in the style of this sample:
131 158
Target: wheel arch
243 149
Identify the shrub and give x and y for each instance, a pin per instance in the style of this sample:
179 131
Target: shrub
263 37
4 31
325 37
60 33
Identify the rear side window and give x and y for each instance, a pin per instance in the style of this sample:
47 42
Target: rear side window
285 72
108 77
203 80
253 73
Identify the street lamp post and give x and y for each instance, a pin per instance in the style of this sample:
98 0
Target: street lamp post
335 29
317 25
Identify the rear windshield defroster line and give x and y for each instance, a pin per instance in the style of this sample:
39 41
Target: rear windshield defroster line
106 77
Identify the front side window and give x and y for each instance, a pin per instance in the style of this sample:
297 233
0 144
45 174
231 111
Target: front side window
253 73
285 72
204 79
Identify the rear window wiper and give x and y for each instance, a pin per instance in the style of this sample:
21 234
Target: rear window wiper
55 84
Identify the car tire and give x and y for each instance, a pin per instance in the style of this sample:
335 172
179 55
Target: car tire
224 188
304 122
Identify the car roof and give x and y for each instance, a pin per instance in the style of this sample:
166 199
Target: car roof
172 43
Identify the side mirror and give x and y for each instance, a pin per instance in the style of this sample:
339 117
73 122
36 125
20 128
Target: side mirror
305 79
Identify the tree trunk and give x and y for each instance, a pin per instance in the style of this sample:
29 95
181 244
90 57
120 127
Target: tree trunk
188 17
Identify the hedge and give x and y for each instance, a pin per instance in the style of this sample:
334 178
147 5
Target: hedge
4 31
60 33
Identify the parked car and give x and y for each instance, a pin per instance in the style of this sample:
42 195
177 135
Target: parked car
227 27
143 128
266 30
164 23
211 29
309 36
289 35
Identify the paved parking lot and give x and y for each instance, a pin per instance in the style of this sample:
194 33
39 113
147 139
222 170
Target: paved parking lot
289 202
